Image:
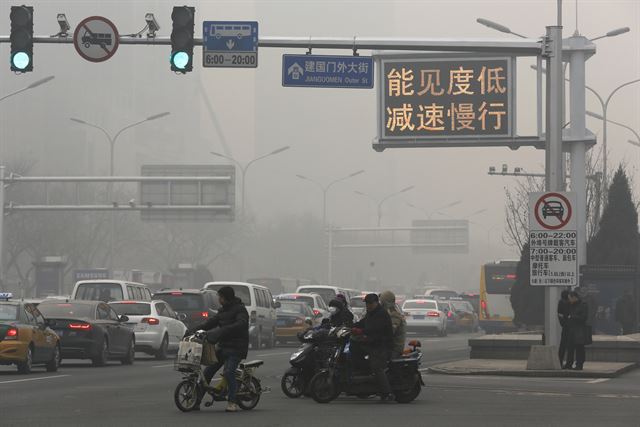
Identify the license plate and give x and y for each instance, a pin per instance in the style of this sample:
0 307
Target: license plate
418 316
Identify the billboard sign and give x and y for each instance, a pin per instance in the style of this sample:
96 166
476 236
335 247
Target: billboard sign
440 236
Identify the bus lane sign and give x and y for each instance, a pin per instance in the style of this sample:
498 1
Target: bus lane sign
553 239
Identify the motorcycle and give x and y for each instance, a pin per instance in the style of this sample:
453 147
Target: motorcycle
339 377
192 389
317 345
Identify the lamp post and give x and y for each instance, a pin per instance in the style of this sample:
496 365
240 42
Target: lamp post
245 168
384 199
112 147
429 214
325 189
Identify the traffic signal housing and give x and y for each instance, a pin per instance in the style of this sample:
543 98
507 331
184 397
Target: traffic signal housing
21 38
182 38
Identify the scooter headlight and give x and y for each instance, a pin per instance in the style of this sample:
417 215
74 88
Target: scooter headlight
295 355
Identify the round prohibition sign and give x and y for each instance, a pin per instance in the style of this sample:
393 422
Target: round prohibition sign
96 39
553 205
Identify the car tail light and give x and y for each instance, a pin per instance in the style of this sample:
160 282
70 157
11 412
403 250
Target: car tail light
299 321
253 318
176 293
12 334
316 311
449 314
204 314
80 326
433 314
150 320
485 310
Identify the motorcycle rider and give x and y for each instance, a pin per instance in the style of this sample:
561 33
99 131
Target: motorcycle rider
340 314
398 323
229 328
376 340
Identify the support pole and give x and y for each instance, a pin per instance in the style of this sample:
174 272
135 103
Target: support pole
329 230
1 226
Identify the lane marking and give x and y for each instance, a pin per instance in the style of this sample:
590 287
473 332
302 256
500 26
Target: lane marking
162 366
33 379
598 380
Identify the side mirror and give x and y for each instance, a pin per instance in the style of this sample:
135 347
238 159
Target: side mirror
277 304
123 318
182 316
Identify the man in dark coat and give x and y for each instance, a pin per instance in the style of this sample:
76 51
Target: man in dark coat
229 329
340 314
626 313
376 332
563 318
578 331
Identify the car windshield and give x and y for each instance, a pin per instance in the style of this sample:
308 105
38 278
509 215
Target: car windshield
326 294
8 312
99 292
421 305
460 305
132 309
445 294
68 309
305 299
241 291
357 302
183 302
291 307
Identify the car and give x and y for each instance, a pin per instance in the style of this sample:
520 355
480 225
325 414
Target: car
466 317
156 326
326 292
261 307
314 301
553 208
357 306
294 317
441 293
473 299
425 315
110 290
25 338
450 314
90 330
196 305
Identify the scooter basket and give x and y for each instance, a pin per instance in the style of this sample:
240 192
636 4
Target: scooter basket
189 355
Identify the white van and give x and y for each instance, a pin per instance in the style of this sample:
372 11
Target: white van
261 307
110 290
326 292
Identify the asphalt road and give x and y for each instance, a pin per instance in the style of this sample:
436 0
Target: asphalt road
142 395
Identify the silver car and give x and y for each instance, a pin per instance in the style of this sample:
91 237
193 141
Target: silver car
425 315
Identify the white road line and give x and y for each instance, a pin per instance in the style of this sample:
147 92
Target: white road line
598 380
272 354
33 379
162 366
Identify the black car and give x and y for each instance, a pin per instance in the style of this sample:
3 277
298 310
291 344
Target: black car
90 330
194 306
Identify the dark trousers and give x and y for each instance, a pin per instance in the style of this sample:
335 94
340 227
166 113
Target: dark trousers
230 360
577 351
564 342
378 360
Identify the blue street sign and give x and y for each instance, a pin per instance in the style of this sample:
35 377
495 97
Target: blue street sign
230 44
327 71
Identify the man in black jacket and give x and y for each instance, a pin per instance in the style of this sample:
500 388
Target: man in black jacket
563 318
377 340
230 330
579 334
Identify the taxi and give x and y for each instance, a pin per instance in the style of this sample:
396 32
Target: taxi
25 338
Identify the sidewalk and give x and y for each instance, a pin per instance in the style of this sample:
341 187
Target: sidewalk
518 368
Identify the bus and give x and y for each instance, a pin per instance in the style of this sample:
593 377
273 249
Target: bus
496 280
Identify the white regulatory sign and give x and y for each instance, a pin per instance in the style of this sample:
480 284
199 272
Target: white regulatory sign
96 39
553 239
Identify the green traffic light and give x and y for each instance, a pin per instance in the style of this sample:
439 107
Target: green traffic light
180 60
20 60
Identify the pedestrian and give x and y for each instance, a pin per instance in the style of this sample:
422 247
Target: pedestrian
340 314
563 315
578 331
398 323
626 313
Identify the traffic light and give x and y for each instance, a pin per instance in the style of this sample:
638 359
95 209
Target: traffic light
21 38
182 38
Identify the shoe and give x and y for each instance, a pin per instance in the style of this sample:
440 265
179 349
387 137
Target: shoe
231 407
578 368
568 366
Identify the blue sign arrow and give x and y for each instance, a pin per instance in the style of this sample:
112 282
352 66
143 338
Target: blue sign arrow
347 71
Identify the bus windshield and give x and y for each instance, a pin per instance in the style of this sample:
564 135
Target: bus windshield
499 279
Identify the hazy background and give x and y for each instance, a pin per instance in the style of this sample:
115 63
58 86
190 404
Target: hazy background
330 130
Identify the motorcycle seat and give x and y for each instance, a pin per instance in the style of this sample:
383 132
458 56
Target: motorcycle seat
252 364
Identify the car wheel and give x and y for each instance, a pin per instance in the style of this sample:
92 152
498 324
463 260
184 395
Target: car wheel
161 354
129 358
26 366
103 355
54 363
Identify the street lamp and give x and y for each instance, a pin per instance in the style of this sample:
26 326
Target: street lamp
612 33
325 190
112 144
31 86
599 117
246 167
498 27
384 199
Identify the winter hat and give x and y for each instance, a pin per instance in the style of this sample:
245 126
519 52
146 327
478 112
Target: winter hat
227 293
336 303
387 297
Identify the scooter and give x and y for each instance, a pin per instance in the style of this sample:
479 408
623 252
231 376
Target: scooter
317 346
339 377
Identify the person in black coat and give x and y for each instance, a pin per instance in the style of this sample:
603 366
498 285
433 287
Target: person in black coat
229 329
376 332
563 318
340 314
578 331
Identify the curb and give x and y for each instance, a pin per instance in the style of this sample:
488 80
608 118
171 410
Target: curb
524 373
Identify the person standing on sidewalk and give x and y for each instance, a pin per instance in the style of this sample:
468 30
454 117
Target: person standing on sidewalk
563 318
578 331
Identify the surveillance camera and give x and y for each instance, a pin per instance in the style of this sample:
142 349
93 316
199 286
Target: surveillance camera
132 203
517 170
64 24
152 24
505 168
492 169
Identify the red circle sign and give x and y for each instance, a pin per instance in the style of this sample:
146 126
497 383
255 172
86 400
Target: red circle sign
96 39
555 206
